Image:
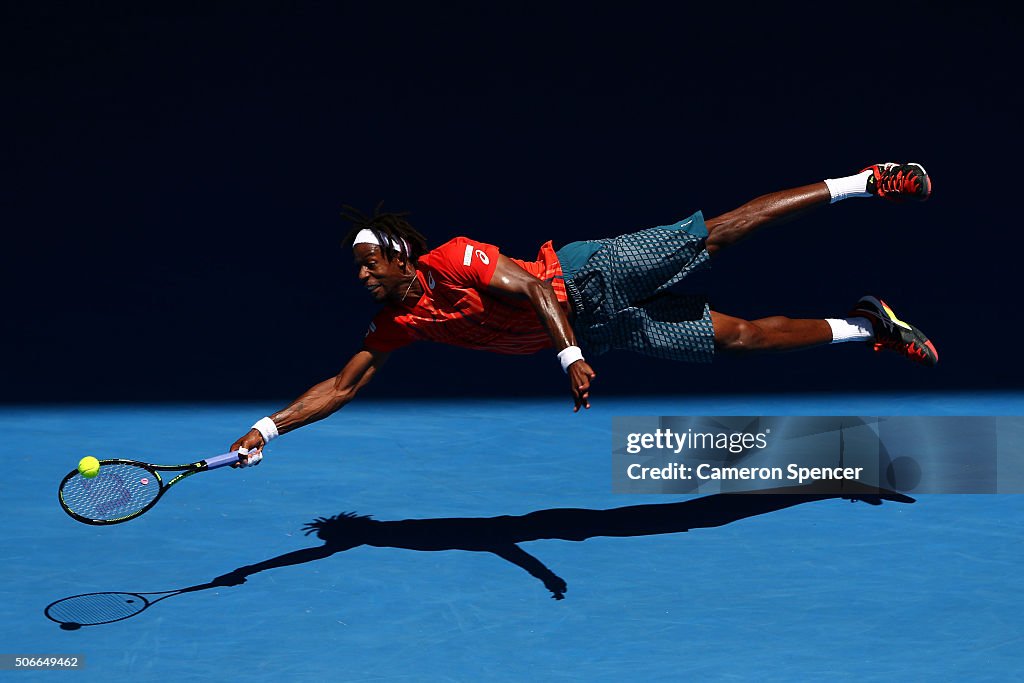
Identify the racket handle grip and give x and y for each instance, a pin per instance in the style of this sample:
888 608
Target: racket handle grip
221 460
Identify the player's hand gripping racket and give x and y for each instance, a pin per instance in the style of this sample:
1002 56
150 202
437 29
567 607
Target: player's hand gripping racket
124 489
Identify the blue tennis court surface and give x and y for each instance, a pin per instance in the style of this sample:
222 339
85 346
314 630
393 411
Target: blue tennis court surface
513 505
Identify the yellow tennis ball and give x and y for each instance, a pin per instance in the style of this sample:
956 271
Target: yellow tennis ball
89 467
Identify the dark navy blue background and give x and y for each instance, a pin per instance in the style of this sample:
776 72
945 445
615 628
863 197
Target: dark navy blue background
171 220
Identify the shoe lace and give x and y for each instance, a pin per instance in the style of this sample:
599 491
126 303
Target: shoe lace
898 181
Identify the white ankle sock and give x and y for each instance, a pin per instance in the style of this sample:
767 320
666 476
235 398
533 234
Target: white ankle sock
850 329
850 186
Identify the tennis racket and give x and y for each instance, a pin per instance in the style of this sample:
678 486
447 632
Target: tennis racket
124 489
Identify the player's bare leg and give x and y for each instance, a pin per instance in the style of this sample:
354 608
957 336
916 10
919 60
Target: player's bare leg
770 209
776 333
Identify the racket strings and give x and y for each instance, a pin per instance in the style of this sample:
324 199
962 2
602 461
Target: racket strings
96 608
117 491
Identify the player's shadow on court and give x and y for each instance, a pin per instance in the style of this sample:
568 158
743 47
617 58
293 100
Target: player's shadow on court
498 535
501 535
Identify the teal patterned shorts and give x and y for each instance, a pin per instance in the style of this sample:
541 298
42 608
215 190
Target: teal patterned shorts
643 292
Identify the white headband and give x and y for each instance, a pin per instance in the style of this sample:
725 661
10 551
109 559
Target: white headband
366 236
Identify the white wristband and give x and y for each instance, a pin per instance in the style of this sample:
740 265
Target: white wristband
568 356
267 428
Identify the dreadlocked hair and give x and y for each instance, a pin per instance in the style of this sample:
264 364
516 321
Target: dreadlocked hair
389 229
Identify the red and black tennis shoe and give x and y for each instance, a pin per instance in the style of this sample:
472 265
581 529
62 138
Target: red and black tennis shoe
894 334
899 182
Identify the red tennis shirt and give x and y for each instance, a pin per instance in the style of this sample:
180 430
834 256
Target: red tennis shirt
457 308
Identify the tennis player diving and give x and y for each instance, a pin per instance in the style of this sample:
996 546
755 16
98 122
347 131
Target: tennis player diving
641 292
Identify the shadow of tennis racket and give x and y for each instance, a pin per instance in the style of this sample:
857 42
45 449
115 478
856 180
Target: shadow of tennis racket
93 609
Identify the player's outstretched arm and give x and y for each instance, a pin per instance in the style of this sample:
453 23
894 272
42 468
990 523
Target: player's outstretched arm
315 403
512 280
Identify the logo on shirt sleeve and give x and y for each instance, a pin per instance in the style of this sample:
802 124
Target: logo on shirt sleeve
467 258
373 328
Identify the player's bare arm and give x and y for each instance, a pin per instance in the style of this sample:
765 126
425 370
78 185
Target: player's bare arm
509 279
320 400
